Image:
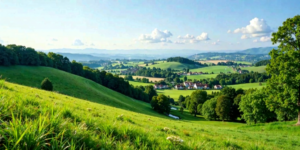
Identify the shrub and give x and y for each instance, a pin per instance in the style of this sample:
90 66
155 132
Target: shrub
47 85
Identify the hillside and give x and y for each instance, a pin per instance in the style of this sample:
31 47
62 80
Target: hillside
89 125
173 65
259 50
71 85
82 57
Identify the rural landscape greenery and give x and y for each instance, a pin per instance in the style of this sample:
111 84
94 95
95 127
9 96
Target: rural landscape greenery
206 100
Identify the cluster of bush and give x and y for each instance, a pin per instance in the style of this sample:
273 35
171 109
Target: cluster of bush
251 106
21 55
262 63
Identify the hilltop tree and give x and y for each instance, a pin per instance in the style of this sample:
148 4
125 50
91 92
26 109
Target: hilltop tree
209 109
284 85
47 85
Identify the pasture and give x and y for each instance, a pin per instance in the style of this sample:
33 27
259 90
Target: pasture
214 69
259 69
150 78
198 77
248 85
173 65
140 83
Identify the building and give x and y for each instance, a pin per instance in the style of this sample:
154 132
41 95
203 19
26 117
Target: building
217 87
179 87
187 84
190 87
160 86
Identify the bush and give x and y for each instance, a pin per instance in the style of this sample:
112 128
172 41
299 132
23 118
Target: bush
47 85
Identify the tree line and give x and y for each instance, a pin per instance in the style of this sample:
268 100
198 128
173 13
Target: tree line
21 55
262 63
184 60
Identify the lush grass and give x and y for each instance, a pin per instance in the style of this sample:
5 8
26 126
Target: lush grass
172 65
153 79
244 62
198 77
32 118
248 86
176 93
215 69
260 69
140 83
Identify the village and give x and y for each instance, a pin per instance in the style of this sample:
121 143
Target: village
188 86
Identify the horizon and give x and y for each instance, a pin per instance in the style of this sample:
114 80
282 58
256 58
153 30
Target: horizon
193 25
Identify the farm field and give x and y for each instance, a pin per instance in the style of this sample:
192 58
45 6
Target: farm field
215 69
140 83
259 69
172 65
150 78
173 93
203 76
212 61
248 85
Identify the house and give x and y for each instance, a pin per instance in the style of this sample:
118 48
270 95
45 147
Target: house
190 87
218 87
240 71
190 73
199 86
178 87
160 86
186 84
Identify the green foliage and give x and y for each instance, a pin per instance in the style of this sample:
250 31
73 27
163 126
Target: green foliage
47 85
254 107
197 97
223 107
150 91
284 86
161 104
209 109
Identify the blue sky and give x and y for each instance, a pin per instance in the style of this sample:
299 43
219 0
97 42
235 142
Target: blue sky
162 24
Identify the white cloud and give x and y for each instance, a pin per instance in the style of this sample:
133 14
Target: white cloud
244 37
192 39
54 40
265 39
78 42
92 44
256 28
156 36
255 41
229 31
186 37
216 43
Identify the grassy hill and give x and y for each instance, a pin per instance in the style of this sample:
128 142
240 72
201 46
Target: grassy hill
140 83
198 77
49 120
172 65
260 69
215 69
94 117
259 50
71 85
248 86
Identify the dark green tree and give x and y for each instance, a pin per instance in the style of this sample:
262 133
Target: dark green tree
209 109
161 104
47 85
197 97
150 91
223 107
284 85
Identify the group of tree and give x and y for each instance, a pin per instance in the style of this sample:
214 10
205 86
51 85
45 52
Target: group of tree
118 66
21 55
229 63
184 60
262 63
280 100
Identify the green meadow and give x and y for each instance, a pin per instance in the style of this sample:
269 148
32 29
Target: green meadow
81 114
259 69
248 86
140 83
198 77
215 69
173 65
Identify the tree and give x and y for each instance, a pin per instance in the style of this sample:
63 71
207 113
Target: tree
161 104
197 97
284 85
254 107
222 82
47 85
209 109
223 107
184 78
251 81
150 91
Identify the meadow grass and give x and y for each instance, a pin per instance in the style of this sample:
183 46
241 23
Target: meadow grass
173 93
140 83
172 65
248 85
153 79
198 77
259 69
215 69
37 119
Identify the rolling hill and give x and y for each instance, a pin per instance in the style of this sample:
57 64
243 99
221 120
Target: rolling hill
85 115
173 65
258 50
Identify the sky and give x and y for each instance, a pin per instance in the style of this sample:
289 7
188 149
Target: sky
163 24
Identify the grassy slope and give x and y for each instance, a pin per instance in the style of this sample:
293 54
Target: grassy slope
215 69
140 83
79 123
248 86
172 65
260 69
71 85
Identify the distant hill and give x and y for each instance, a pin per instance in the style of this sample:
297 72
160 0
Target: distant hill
259 50
82 57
